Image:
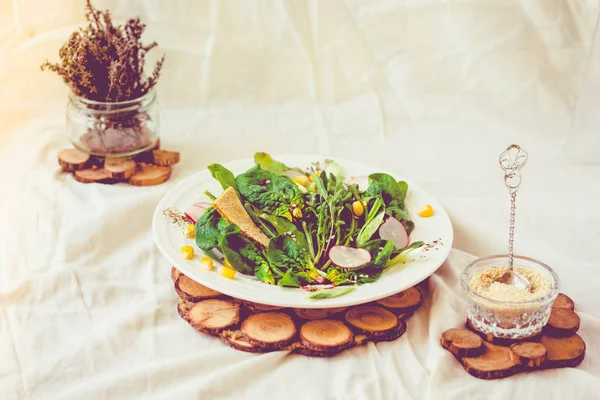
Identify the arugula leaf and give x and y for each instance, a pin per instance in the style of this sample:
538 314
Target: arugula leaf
267 163
268 191
330 293
289 279
210 228
223 175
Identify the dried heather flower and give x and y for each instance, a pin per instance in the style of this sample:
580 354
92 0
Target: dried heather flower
105 62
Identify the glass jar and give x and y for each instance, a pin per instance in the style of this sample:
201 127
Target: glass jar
504 319
118 129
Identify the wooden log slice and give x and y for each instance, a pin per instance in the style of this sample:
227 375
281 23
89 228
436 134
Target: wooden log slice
563 352
273 330
93 175
235 340
120 169
372 321
394 334
192 291
213 316
317 313
528 354
165 158
405 302
175 273
488 337
563 301
156 145
72 160
327 335
494 363
150 176
562 323
257 307
462 343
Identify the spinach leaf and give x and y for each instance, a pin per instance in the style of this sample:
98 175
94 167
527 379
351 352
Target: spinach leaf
278 224
330 293
381 254
289 279
223 175
267 163
386 186
210 228
283 251
369 229
268 191
245 257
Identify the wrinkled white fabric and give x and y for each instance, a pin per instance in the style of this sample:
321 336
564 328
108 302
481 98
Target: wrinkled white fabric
432 89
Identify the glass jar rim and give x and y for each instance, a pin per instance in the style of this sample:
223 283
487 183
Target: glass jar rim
552 294
149 96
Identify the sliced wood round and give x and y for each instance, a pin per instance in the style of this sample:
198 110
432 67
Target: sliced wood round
462 342
120 169
562 323
269 329
235 340
317 313
175 273
563 352
72 159
372 321
564 301
150 176
326 335
404 302
214 315
93 175
494 363
529 354
192 291
257 307
165 158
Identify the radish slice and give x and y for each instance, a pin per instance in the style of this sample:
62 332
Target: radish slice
292 173
393 230
362 181
349 257
196 210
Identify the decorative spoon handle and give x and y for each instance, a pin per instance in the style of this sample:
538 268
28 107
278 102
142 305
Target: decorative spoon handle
511 161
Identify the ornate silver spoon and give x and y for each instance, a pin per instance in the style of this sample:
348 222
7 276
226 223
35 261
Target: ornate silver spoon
511 161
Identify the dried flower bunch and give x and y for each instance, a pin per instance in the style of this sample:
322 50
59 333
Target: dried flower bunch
105 62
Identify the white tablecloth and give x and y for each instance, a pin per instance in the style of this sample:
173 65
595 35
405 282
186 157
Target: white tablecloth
432 89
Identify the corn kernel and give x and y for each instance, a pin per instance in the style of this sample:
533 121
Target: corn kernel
297 213
207 263
426 211
364 203
187 252
357 208
310 178
190 231
301 180
227 272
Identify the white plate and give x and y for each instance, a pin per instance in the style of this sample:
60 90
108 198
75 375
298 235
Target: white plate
170 240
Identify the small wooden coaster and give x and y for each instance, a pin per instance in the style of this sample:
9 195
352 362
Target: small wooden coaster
149 168
260 328
557 346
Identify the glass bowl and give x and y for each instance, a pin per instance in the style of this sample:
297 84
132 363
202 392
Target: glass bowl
510 320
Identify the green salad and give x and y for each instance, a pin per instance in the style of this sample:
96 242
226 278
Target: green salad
312 228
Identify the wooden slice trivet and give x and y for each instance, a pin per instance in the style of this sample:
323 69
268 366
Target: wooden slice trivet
175 273
528 354
192 291
149 168
556 347
563 301
269 329
93 175
72 160
326 335
462 342
563 352
494 363
405 302
317 313
235 339
372 321
120 169
256 307
150 176
214 315
562 323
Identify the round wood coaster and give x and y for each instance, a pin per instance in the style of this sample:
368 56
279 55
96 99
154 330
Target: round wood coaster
149 168
558 346
259 328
